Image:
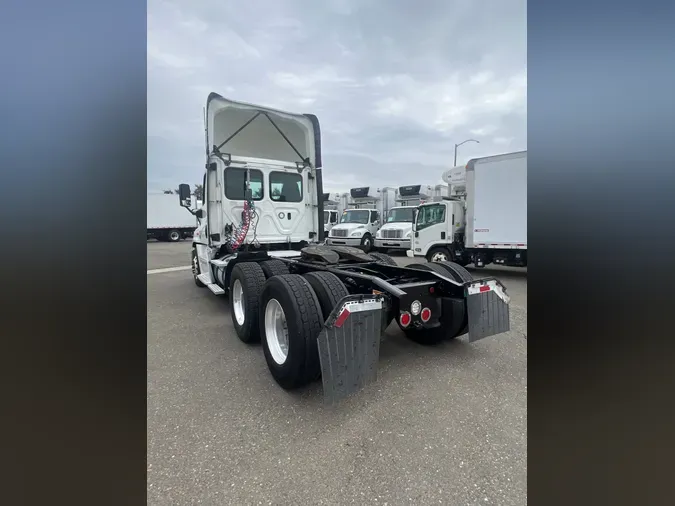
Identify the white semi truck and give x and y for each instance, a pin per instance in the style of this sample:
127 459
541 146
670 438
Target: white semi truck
483 221
318 310
166 221
362 219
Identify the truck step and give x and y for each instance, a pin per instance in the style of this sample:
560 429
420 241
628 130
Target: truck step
206 279
216 289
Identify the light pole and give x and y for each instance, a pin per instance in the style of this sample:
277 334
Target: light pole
458 145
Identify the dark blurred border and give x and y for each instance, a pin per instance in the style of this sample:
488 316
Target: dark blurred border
601 188
601 157
73 255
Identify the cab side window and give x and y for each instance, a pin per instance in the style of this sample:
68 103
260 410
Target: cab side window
374 216
430 215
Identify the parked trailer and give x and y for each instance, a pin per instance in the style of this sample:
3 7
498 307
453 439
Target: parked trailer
318 310
485 219
166 221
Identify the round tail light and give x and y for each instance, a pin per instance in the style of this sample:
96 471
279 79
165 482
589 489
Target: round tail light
425 314
405 319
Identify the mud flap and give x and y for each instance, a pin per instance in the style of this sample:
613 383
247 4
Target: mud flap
487 307
349 346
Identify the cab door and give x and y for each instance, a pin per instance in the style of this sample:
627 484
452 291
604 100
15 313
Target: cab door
430 227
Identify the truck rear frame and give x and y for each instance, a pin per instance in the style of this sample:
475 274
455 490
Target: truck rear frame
354 297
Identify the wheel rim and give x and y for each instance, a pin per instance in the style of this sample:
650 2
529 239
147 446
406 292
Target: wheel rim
439 257
366 242
195 265
238 302
174 236
276 331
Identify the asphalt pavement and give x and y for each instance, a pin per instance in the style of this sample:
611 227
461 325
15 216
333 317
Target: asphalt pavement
442 425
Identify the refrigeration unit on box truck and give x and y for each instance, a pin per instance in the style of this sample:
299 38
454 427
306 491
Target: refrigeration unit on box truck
166 221
485 218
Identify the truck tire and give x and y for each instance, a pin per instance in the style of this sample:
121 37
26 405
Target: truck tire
329 289
274 268
458 272
427 337
246 284
367 242
383 258
174 235
431 266
290 321
196 270
439 254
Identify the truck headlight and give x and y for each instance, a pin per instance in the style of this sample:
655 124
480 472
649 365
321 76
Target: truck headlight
408 235
358 232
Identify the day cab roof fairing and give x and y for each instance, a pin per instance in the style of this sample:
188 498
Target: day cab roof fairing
253 131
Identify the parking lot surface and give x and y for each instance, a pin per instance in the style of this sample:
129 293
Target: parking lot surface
442 425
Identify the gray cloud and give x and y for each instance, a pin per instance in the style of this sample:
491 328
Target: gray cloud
394 84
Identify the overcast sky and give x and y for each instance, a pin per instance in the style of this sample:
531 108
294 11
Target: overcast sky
395 84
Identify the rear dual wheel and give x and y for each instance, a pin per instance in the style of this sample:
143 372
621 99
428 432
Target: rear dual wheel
290 322
286 312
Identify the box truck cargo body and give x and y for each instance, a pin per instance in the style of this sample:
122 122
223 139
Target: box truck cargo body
167 221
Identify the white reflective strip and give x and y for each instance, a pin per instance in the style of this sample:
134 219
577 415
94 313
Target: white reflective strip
368 305
169 269
494 287
284 253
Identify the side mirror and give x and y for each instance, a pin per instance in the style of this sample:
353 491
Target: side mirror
184 195
199 213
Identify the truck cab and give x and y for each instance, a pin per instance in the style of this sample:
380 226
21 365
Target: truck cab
331 215
396 233
357 228
330 219
397 230
439 231
361 220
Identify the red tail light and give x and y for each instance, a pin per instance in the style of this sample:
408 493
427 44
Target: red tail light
425 314
405 319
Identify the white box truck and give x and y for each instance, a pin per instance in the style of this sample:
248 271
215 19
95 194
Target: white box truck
485 218
167 221
363 217
396 232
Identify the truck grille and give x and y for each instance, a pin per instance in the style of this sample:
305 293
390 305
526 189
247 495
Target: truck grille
392 234
339 233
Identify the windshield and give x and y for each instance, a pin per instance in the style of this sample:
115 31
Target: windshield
401 215
326 215
360 216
